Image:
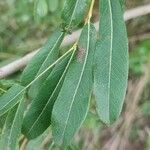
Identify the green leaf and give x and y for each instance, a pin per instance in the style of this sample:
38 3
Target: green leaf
144 108
6 100
38 117
36 143
122 3
41 58
50 59
53 5
74 12
41 62
41 8
71 106
111 62
12 127
2 121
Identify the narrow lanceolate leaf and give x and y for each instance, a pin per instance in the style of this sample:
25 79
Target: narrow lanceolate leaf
41 58
111 69
72 104
12 128
38 117
10 98
74 12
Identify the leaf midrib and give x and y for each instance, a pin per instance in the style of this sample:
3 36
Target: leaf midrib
76 90
111 49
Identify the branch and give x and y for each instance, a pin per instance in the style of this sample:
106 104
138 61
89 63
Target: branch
69 39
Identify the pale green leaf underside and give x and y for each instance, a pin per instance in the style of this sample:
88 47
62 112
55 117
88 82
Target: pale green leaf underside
74 12
72 104
38 117
111 62
10 98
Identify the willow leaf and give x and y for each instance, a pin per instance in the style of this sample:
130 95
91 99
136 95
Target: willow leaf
74 12
6 100
38 117
72 104
12 127
41 58
111 69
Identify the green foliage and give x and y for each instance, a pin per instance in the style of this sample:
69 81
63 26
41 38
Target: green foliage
145 108
111 62
60 86
139 57
5 85
45 57
35 143
148 143
53 5
12 127
41 107
41 8
75 104
11 98
74 11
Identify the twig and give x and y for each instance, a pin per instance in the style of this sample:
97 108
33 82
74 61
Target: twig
69 39
136 12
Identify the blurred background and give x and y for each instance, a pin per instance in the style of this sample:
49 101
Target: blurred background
22 32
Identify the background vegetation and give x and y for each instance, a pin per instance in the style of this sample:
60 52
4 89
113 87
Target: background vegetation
21 32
